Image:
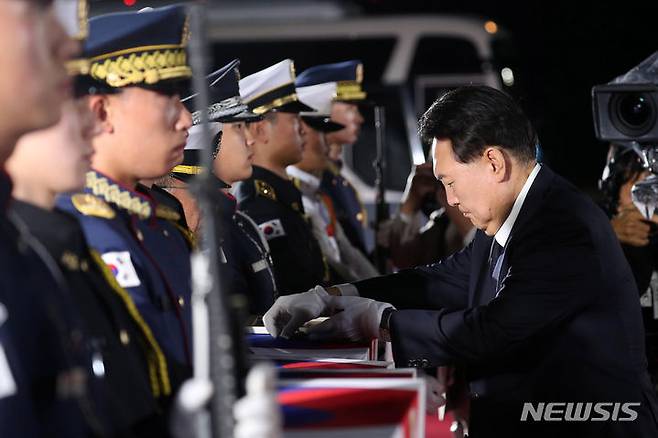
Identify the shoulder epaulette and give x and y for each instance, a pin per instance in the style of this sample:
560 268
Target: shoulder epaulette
164 212
297 183
264 189
89 205
333 168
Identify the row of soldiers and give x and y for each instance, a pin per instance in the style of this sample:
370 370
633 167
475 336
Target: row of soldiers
98 221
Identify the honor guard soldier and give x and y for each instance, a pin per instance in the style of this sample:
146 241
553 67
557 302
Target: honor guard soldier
138 65
249 268
346 261
269 197
44 371
346 77
125 357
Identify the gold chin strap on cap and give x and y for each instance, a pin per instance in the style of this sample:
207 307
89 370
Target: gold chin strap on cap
276 103
187 170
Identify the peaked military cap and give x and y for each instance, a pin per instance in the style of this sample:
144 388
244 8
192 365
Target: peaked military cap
73 15
226 105
272 89
145 48
319 97
193 153
347 77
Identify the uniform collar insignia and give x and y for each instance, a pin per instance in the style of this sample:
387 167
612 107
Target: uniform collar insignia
277 188
124 198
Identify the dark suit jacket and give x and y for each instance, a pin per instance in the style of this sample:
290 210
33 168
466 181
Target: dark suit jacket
565 325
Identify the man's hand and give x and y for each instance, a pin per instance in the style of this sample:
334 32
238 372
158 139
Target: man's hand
290 312
357 319
631 227
435 396
420 184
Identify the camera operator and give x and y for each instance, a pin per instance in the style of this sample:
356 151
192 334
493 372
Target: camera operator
637 236
626 116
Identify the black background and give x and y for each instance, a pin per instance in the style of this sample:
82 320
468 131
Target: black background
562 50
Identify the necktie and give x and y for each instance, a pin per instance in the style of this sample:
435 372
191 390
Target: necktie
493 272
495 260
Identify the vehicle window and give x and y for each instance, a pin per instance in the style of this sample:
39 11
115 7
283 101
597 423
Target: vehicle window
440 54
257 55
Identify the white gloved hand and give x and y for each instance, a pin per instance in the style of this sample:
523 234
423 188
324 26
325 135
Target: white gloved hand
290 312
257 414
435 391
357 319
191 400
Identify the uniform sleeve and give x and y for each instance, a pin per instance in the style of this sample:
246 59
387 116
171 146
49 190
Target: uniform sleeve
359 265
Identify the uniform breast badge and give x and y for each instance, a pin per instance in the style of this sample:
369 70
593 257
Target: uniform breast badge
90 205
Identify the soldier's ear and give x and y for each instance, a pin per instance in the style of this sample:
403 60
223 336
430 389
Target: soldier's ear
99 106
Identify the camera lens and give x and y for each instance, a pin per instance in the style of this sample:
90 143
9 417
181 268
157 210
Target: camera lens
634 114
635 109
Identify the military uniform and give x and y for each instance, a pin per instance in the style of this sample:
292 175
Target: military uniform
245 254
125 352
250 270
345 79
140 241
165 198
137 237
349 209
45 380
347 262
47 387
275 204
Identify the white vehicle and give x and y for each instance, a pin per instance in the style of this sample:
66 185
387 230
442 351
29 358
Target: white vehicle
408 61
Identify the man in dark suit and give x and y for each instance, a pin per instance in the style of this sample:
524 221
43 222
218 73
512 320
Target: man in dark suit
540 308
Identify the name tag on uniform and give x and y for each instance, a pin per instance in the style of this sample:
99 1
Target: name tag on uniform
259 266
272 229
122 267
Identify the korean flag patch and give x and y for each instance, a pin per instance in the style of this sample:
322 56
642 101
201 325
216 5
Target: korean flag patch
272 229
122 267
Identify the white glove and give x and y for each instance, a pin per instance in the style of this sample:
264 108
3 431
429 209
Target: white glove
290 312
257 414
435 391
193 396
358 319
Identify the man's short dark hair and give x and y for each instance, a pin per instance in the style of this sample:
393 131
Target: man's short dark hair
474 117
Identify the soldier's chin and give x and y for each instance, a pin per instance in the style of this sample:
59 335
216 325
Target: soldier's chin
74 185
